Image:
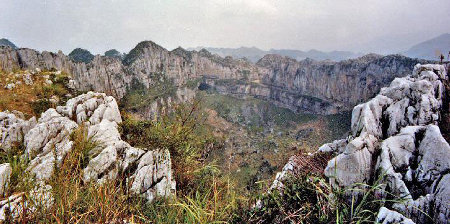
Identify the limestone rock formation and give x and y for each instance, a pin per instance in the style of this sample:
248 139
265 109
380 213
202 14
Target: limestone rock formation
386 216
38 197
13 128
394 137
5 173
49 141
318 87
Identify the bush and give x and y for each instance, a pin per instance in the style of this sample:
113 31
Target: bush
298 202
183 132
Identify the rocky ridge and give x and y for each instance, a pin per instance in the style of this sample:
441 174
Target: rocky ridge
324 87
47 142
395 138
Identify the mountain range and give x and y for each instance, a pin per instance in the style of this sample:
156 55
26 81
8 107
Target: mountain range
424 50
254 54
258 114
431 49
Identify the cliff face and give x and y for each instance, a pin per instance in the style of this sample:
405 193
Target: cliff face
346 83
318 87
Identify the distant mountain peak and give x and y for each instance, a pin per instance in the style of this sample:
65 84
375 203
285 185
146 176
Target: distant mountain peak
432 48
6 42
140 49
81 55
113 53
254 54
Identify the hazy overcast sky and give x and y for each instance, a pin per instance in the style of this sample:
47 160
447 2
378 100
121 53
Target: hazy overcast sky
98 25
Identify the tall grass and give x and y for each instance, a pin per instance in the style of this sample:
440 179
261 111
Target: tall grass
306 197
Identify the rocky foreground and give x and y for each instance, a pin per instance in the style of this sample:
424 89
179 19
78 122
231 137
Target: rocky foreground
48 141
395 138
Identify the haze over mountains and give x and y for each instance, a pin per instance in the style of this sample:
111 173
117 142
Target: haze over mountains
254 54
425 50
429 49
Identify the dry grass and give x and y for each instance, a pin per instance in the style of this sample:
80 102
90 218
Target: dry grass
30 99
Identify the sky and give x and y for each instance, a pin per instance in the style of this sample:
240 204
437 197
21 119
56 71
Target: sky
379 26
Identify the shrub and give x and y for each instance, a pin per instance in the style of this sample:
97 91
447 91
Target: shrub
183 132
19 179
298 202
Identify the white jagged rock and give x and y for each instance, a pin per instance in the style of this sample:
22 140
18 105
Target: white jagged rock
10 86
48 142
39 197
52 128
150 177
103 167
386 216
354 164
12 204
434 152
92 107
5 174
396 135
336 146
13 128
442 198
366 118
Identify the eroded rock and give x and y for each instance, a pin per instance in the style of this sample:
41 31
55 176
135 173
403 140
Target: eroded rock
49 141
5 174
398 129
13 128
386 216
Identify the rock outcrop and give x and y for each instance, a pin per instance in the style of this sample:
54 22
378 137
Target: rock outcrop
395 137
317 87
13 128
395 140
49 141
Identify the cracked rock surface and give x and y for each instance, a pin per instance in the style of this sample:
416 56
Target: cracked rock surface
48 141
395 136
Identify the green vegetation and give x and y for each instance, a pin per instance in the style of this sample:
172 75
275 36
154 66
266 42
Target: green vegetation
113 53
36 98
139 96
193 83
183 132
307 198
225 151
18 181
338 124
81 55
204 193
253 112
6 42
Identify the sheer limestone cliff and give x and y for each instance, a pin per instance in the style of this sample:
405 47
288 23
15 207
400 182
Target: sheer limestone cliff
317 87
